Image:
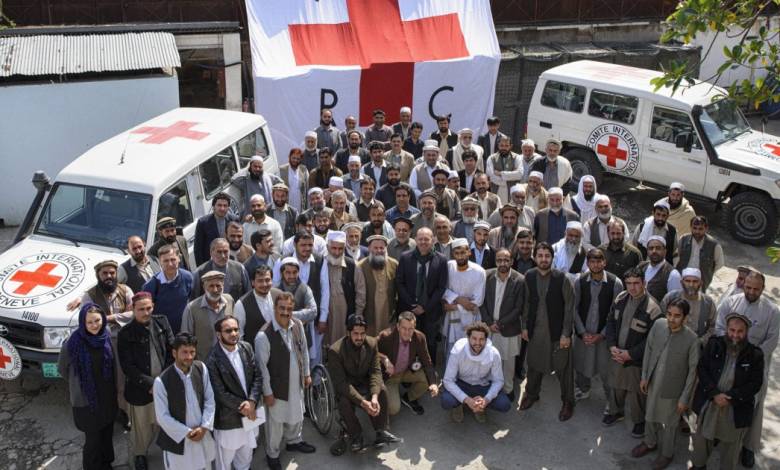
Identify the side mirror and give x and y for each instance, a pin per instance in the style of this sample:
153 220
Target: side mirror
684 140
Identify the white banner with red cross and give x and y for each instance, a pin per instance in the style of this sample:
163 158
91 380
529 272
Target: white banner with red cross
353 56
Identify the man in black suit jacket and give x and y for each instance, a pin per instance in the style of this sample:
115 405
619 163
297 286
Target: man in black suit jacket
228 363
488 258
212 226
422 296
493 134
377 152
443 123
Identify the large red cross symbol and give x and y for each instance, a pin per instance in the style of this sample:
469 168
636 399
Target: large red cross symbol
612 151
32 279
4 360
775 149
160 135
385 47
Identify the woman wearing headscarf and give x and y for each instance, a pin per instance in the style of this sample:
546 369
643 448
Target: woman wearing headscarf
87 364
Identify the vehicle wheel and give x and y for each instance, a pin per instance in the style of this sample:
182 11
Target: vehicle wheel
321 400
752 218
584 162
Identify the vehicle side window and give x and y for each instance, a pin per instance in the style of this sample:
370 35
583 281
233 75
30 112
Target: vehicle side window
251 145
613 106
668 124
176 203
564 96
215 173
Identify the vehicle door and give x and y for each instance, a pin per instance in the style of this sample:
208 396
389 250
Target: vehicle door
663 162
215 175
178 202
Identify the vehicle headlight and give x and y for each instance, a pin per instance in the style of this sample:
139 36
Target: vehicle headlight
54 337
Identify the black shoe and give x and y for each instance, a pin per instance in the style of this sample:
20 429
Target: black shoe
609 420
383 438
302 446
413 405
356 445
273 464
747 458
638 431
140 462
339 447
511 396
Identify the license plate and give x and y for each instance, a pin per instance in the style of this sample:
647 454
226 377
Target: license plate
50 370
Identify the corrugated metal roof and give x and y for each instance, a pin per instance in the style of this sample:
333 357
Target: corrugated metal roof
60 54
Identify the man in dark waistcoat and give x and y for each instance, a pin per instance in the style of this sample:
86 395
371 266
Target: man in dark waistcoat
167 235
256 307
139 268
700 250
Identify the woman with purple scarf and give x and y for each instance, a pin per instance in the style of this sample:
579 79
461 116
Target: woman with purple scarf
87 364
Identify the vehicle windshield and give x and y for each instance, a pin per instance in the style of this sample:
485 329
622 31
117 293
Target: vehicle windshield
101 216
723 121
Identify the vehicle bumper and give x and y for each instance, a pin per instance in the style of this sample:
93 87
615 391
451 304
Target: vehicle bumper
39 362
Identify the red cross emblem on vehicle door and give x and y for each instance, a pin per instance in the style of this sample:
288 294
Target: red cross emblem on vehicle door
612 151
160 135
31 279
384 46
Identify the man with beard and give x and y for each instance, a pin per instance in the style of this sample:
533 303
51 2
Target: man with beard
253 180
353 152
236 279
320 176
703 311
346 292
403 126
111 296
171 287
239 251
310 151
594 293
421 178
139 268
256 307
504 296
322 223
464 295
464 228
504 168
366 200
402 195
428 215
595 231
490 139
316 202
465 144
212 226
166 229
340 214
550 222
659 275
453 183
414 144
355 177
202 312
536 194
700 250
144 350
628 324
306 224
504 235
764 317
337 184
528 151
621 256
386 193
443 231
305 297
354 249
402 241
376 169
555 167
327 132
481 253
281 212
488 202
262 221
447 200
378 271
399 157
668 377
524 251
681 212
657 225
548 320
377 225
738 284
730 374
525 214
379 132
584 202
445 139
295 175
350 125
569 254
468 175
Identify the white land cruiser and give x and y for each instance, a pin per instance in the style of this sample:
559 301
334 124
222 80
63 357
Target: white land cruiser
610 119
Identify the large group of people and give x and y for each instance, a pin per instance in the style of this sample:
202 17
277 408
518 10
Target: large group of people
412 267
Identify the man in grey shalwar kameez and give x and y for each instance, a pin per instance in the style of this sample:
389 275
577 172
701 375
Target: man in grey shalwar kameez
703 309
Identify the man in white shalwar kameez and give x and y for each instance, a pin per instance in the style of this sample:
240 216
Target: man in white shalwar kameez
464 295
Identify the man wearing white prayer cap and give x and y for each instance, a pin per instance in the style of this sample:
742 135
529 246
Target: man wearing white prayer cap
703 313
403 126
346 292
659 275
353 147
535 192
253 180
681 212
595 232
354 177
568 253
555 167
657 224
421 178
310 151
517 197
550 222
466 142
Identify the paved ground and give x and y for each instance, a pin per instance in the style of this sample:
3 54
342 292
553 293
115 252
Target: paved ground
36 429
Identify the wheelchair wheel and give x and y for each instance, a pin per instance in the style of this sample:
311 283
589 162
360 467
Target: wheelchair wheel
320 399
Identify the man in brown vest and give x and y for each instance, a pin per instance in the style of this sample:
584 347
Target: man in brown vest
700 250
283 359
201 314
378 272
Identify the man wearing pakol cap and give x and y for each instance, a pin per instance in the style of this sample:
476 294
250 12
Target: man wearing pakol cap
294 174
681 212
354 148
465 143
525 216
310 151
139 268
730 374
569 254
378 270
167 235
236 280
399 157
402 241
528 151
536 194
253 180
282 212
504 168
659 275
376 169
386 192
404 125
113 298
201 313
464 228
403 207
504 235
555 167
354 176
346 293
464 295
490 139
657 225
488 202
550 222
481 253
428 215
327 132
703 311
470 171
421 178
262 221
320 176
595 231
447 200
699 249
584 202
380 131
453 183
764 317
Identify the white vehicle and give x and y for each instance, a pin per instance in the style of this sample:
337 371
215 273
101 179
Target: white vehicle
610 119
171 165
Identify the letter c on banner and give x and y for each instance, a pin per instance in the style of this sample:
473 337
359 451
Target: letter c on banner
433 97
333 95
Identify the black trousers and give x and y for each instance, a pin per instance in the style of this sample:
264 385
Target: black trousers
431 327
98 450
348 414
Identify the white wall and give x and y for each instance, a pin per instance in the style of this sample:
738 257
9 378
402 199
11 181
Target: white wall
46 126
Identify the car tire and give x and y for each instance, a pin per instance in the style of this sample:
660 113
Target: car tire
752 218
584 162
